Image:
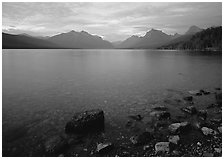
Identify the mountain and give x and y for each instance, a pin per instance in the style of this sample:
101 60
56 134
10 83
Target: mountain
208 39
80 40
151 40
25 42
176 35
129 42
193 30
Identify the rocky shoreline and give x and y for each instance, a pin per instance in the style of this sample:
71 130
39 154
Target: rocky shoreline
157 133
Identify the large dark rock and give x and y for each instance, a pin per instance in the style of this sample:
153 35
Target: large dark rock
85 122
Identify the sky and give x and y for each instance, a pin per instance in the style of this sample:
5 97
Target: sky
112 21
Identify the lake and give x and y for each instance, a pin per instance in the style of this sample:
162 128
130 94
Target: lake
42 89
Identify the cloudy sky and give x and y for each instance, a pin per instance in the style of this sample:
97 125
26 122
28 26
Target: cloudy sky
113 21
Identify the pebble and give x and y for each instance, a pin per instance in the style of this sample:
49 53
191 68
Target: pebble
162 147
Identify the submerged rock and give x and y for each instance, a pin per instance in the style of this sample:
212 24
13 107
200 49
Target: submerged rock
205 92
190 109
188 98
212 106
160 108
141 139
163 115
176 128
202 114
162 147
174 139
104 147
136 117
195 92
55 144
207 131
87 121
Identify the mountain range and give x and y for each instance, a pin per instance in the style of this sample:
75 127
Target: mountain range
153 39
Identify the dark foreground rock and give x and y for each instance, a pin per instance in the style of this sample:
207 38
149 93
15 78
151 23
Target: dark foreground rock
85 122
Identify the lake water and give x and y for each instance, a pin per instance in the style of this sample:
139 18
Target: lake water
43 88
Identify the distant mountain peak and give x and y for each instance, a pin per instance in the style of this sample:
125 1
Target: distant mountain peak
193 29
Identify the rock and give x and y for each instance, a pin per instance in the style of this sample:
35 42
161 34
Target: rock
188 98
218 150
176 153
198 143
141 139
190 109
174 139
136 117
55 144
146 147
206 154
207 131
202 114
216 121
195 92
87 121
104 147
205 92
129 124
162 147
160 108
61 155
211 106
163 115
196 125
220 129
176 128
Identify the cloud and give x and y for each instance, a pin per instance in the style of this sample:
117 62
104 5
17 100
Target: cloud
114 21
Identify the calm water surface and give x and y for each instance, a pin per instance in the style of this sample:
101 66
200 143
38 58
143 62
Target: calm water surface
43 88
